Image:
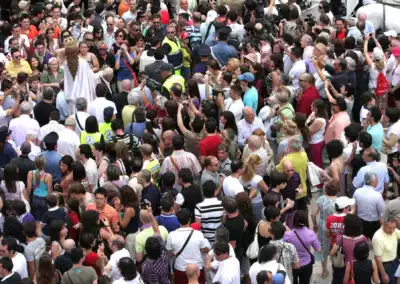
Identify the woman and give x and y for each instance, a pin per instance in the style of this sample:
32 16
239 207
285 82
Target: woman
39 185
266 261
214 73
316 123
334 173
120 36
79 175
93 259
129 217
122 162
124 59
7 152
138 48
88 56
289 130
303 239
300 119
52 43
91 225
45 273
361 269
67 176
129 274
233 67
97 35
101 158
54 74
265 145
254 183
91 134
192 89
273 79
258 70
325 207
58 234
353 229
34 63
12 188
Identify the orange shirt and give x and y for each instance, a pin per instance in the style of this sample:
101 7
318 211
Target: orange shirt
108 213
122 8
32 32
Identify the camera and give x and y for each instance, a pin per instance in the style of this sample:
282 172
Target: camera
145 204
216 92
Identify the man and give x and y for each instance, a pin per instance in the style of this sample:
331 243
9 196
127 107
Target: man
254 143
386 259
23 163
234 103
119 251
194 33
193 136
17 64
153 69
375 128
79 273
68 141
41 55
150 192
184 8
211 172
309 94
338 122
203 52
298 67
231 185
155 31
339 78
34 248
340 29
371 157
43 109
97 107
52 126
129 109
291 191
106 212
223 157
148 229
209 144
128 139
172 45
190 191
52 157
369 26
222 51
247 125
250 98
64 262
84 154
166 72
180 159
8 276
22 39
369 205
209 212
9 248
229 266
130 15
192 252
104 57
7 114
109 31
121 99
81 114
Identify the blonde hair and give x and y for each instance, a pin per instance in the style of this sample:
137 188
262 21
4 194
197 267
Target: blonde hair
290 127
40 163
249 167
380 65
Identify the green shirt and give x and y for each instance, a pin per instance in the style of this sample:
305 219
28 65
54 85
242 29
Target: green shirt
47 78
81 274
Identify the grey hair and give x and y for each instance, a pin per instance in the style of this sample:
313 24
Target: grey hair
369 178
25 108
296 144
81 104
133 98
146 175
222 234
254 142
283 95
351 63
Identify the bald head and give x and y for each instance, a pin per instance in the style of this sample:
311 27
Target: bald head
69 244
254 142
192 271
249 114
288 168
362 16
145 217
126 85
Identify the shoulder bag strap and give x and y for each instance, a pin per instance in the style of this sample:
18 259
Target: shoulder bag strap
302 243
130 70
77 121
182 248
174 163
208 31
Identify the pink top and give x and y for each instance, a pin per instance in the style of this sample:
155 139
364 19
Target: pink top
336 126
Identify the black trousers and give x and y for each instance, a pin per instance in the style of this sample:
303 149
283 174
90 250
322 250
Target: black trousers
390 268
369 228
303 275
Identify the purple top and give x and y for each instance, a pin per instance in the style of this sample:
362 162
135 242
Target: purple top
309 239
348 245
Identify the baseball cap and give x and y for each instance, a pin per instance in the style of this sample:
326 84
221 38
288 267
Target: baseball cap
249 77
396 51
391 33
378 54
343 202
184 35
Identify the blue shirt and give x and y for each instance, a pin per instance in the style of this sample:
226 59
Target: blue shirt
377 134
370 204
222 52
123 72
250 98
380 169
170 222
53 165
7 155
62 106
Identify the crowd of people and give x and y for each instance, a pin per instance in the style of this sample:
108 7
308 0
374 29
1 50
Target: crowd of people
168 141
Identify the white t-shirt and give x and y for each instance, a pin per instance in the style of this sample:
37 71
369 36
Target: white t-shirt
91 173
363 115
394 129
136 280
113 262
273 266
254 184
20 265
236 107
298 68
231 186
228 271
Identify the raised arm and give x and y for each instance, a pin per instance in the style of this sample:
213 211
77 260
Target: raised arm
368 58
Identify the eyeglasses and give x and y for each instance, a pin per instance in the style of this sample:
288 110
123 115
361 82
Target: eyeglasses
17 56
156 22
120 35
88 39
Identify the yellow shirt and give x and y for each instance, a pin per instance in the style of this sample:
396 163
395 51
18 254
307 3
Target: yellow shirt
385 245
300 161
187 59
127 113
14 69
142 237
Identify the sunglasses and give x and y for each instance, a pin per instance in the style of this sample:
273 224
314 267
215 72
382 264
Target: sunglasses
17 56
120 35
136 30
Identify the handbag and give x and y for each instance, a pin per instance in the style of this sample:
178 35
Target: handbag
254 248
352 281
338 258
311 255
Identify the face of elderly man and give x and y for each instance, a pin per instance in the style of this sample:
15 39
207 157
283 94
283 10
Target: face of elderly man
249 115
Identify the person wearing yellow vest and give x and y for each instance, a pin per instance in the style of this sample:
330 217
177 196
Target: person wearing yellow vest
105 127
91 134
149 163
172 45
170 79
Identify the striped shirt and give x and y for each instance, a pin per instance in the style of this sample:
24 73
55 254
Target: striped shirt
157 270
209 212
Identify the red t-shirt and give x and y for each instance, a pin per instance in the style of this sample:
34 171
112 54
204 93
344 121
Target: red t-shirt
74 219
335 225
209 145
90 260
305 100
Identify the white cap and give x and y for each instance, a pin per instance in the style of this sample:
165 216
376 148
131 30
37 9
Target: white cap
391 33
22 4
378 54
343 202
211 16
